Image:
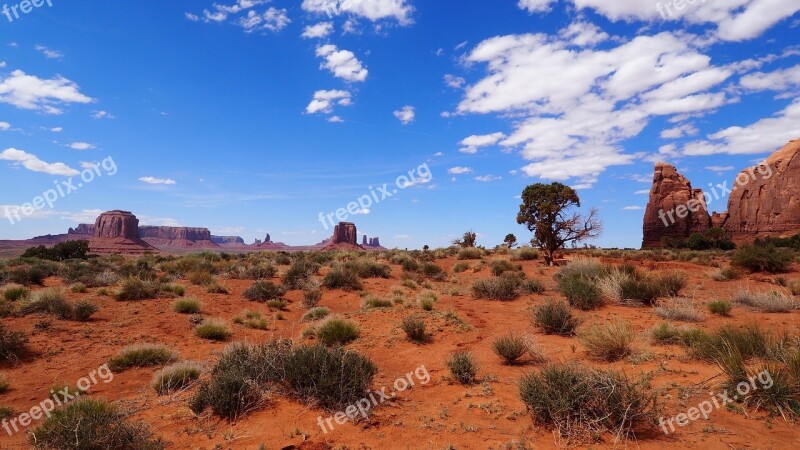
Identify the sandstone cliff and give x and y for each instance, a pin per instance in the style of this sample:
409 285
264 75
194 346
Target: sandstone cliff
117 232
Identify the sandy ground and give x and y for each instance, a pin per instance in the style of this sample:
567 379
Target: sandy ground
438 415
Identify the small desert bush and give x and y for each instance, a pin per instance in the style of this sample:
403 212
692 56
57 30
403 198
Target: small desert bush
299 273
667 334
172 290
680 309
460 267
469 253
771 302
311 297
555 317
141 355
510 348
749 341
581 292
47 301
726 274
5 385
78 288
463 367
609 341
133 288
432 271
175 377
15 292
757 258
496 288
316 314
530 287
13 345
525 254
90 424
186 306
372 302
582 268
83 311
337 332
213 330
642 290
341 278
368 268
580 404
720 308
261 272
263 291
216 288
414 328
500 266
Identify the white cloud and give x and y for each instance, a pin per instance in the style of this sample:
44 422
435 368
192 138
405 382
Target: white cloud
583 34
272 19
154 180
33 163
102 115
48 53
720 169
763 136
535 5
679 131
57 129
573 107
324 101
81 146
406 114
779 80
335 119
471 144
192 17
454 81
5 126
459 170
31 92
633 208
88 165
488 178
342 63
320 30
373 10
362 212
642 192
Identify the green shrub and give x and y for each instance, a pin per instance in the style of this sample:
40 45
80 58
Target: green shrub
432 271
175 377
83 311
580 404
311 297
608 342
340 278
15 292
213 330
463 367
230 394
762 258
667 334
510 348
372 302
186 306
60 252
13 345
263 291
530 287
470 253
48 301
78 288
726 274
414 328
216 288
141 355
555 318
496 288
299 273
90 424
368 268
133 288
316 314
671 283
337 332
525 254
173 290
720 307
500 266
28 275
261 272
645 290
460 267
581 292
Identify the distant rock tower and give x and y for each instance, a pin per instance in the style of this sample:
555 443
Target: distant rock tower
345 233
117 225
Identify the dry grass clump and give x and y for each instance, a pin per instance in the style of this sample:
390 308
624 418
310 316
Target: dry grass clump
176 377
414 327
213 330
133 288
263 291
15 292
48 301
463 367
726 274
341 278
609 341
511 348
187 306
771 302
316 314
369 268
337 331
525 254
496 288
720 308
469 253
141 355
680 309
555 317
581 404
13 345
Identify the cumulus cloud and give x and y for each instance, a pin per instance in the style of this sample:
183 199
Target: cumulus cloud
320 30
573 107
679 131
454 81
31 92
342 63
34 164
154 180
273 19
473 143
48 53
487 178
5 126
535 5
459 170
324 101
372 10
244 13
779 80
406 114
102 115
81 146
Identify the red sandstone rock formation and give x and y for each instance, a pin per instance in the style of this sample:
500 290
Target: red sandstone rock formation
675 209
117 232
177 237
83 229
345 236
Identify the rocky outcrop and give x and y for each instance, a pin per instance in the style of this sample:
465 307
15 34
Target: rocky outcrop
764 200
117 232
345 236
267 239
177 237
228 240
375 242
675 209
83 229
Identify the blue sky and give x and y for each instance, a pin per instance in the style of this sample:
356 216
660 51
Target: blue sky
248 116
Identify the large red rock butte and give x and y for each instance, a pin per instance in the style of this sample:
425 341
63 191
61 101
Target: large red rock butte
345 236
763 201
117 232
177 237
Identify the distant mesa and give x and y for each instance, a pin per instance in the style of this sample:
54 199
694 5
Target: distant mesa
117 232
763 202
227 240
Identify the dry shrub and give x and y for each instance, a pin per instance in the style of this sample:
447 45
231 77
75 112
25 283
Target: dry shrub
680 309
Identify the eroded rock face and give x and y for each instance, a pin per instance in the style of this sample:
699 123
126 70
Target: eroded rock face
83 229
175 233
345 233
675 209
117 225
227 240
765 199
